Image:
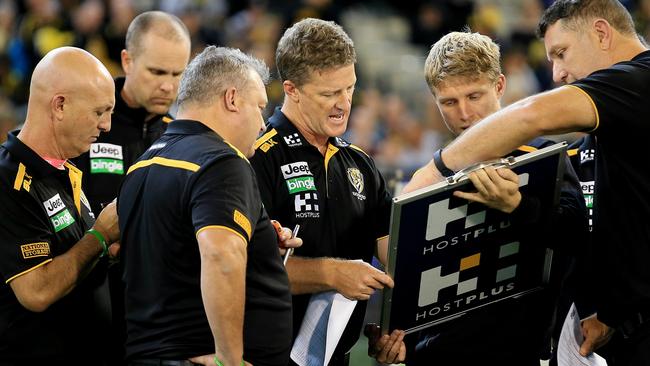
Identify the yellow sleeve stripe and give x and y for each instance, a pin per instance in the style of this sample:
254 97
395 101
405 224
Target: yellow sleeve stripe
243 222
19 177
29 270
167 119
358 148
383 237
264 138
572 152
172 163
526 148
592 104
220 227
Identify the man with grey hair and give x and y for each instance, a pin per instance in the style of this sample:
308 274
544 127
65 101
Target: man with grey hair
310 176
198 246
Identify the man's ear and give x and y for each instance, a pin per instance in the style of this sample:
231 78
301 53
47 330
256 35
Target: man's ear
126 60
500 85
291 90
230 100
604 32
56 106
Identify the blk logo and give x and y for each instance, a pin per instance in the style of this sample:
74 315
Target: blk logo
432 281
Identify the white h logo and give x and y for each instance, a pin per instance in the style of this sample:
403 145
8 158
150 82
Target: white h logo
440 215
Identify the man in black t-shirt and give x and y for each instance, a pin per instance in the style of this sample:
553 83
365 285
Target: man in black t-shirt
50 240
204 279
308 175
593 47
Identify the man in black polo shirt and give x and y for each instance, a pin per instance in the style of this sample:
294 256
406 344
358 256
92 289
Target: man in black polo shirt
593 47
310 176
156 53
47 253
204 279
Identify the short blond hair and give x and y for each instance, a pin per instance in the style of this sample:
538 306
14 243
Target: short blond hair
462 54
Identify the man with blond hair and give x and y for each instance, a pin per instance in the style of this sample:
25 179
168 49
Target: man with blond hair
594 48
463 72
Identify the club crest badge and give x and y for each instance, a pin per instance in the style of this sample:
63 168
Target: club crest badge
356 179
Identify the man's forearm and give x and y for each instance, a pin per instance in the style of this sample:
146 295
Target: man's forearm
309 275
223 290
40 288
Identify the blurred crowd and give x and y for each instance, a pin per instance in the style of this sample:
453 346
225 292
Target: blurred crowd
394 117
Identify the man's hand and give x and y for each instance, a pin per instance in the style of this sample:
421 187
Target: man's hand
208 360
107 223
358 280
285 241
596 334
385 348
495 188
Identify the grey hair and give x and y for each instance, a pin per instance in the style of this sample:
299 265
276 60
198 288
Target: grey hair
216 69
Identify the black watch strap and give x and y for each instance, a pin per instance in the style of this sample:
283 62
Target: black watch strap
440 165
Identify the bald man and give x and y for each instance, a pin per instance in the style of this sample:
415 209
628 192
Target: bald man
50 240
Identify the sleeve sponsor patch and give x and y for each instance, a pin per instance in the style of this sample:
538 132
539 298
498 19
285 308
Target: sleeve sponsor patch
242 221
33 250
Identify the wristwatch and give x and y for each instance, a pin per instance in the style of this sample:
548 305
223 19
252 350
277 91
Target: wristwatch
440 165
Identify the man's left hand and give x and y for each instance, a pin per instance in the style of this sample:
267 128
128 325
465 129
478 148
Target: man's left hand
596 334
495 188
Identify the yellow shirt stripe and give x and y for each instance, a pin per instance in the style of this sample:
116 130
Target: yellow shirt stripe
172 163
527 148
29 270
210 227
19 177
572 152
264 138
592 104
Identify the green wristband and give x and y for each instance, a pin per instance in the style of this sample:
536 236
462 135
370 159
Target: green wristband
219 363
101 239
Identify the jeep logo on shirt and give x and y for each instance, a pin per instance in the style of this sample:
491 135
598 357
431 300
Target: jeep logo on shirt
54 205
295 169
106 158
100 150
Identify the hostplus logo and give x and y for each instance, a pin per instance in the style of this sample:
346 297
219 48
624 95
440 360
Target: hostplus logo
440 215
106 158
432 281
57 212
306 205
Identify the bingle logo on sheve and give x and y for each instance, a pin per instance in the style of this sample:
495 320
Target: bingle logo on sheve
296 169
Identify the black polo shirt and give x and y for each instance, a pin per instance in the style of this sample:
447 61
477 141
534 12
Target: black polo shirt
621 97
340 201
190 179
106 163
582 154
44 213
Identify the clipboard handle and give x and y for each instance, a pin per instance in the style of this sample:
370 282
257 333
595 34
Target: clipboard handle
461 175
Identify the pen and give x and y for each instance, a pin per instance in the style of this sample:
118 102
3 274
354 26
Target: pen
294 233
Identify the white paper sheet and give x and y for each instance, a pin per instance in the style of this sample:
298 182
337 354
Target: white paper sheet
321 329
569 344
